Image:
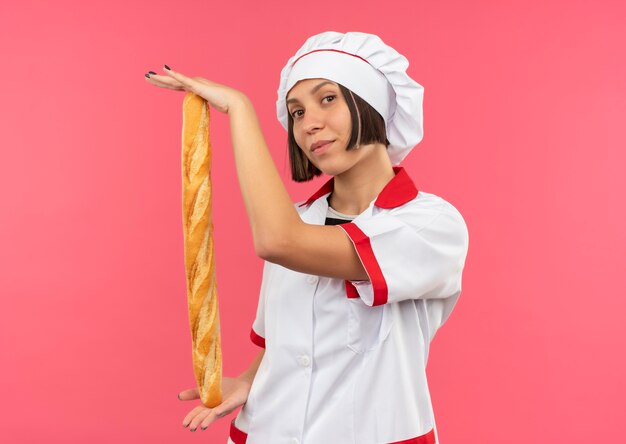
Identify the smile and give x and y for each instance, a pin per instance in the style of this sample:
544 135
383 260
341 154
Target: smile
322 149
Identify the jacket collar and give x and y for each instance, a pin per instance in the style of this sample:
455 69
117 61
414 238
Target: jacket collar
398 191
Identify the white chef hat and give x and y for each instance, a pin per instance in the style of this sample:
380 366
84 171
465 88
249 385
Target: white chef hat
376 72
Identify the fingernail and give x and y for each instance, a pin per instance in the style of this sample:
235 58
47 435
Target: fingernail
179 397
167 67
148 75
185 425
152 72
203 428
193 430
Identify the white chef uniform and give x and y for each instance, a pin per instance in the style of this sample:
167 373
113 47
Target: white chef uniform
345 361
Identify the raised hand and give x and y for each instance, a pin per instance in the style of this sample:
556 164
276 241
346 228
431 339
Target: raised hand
219 96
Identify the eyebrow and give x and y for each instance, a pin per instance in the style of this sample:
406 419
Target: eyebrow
312 91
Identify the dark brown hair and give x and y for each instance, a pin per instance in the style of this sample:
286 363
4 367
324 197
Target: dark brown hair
372 127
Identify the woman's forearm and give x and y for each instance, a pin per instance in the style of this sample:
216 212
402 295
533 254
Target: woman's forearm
269 207
249 374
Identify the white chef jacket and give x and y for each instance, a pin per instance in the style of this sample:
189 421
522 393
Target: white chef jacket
345 361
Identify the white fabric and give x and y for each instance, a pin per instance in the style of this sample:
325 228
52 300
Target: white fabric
375 71
259 327
420 254
339 370
337 215
365 81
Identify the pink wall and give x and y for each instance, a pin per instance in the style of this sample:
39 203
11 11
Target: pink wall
524 115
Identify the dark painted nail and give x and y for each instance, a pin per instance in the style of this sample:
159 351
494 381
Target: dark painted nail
178 397
152 72
148 75
167 67
193 430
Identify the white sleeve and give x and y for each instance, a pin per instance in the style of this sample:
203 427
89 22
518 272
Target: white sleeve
257 332
405 259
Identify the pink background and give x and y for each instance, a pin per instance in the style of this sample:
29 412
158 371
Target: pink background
524 133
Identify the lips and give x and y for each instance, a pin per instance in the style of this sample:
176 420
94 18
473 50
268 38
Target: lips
319 143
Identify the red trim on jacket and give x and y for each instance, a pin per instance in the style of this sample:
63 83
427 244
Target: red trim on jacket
351 291
398 191
428 438
366 254
236 435
258 340
240 437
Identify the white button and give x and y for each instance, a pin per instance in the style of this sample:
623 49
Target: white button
312 279
304 361
294 441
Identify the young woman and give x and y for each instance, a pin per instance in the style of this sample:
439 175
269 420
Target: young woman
358 277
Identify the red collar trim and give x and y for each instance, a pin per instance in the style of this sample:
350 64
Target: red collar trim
398 190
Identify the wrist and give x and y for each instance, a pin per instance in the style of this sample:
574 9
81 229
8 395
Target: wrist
238 102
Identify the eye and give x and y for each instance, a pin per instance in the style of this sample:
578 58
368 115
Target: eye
293 114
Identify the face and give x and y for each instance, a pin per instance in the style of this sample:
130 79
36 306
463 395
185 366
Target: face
320 113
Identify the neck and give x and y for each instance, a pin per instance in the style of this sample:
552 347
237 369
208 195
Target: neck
357 187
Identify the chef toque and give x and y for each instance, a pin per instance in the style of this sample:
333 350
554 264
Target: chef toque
376 72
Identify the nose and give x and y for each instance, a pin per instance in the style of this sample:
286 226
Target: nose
312 120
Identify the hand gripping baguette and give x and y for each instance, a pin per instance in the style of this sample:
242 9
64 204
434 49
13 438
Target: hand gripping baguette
202 299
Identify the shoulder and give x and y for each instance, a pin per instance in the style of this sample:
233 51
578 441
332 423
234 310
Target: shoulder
427 209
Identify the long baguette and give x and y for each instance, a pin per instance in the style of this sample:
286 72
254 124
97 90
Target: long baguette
202 298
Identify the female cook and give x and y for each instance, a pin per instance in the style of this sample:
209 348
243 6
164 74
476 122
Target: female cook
358 277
